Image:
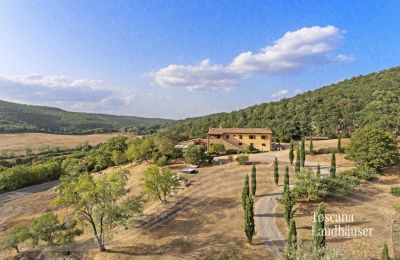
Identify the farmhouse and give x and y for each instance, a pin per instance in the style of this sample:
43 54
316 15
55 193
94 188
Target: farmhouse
240 138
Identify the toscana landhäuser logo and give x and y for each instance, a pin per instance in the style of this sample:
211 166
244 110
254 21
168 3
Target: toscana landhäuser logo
339 225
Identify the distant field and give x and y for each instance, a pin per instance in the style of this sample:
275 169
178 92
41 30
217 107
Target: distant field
18 142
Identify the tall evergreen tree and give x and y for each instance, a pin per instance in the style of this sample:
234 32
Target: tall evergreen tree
276 171
319 229
253 180
245 191
332 170
297 165
288 200
385 253
249 228
311 146
302 153
286 181
319 170
291 152
339 144
291 243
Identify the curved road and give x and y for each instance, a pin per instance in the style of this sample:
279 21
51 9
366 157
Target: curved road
265 220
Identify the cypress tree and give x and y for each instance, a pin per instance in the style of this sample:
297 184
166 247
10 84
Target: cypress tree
297 165
385 253
249 228
319 170
302 153
311 146
253 180
276 171
339 144
288 199
291 152
286 181
245 191
332 171
319 229
291 243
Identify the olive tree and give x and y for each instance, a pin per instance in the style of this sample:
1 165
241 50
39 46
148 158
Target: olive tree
100 202
158 183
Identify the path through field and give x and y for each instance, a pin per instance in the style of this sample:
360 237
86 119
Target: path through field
265 220
20 193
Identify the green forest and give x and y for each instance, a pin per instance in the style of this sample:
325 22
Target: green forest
373 99
17 118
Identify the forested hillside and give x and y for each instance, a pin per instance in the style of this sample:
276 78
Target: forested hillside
15 118
370 99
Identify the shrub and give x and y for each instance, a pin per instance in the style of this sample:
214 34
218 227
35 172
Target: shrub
216 149
309 186
395 191
231 151
251 149
162 161
363 172
374 147
339 185
193 154
242 159
327 150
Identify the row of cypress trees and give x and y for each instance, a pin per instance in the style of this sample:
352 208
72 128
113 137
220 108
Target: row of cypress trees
248 204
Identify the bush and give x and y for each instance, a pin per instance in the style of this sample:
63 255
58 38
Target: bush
242 159
193 154
216 149
374 147
363 172
339 185
162 161
251 149
395 191
309 185
326 150
231 151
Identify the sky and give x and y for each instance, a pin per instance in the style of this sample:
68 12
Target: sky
178 59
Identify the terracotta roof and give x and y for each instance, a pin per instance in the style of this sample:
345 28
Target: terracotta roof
220 131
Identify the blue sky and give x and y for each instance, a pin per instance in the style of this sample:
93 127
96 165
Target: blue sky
178 59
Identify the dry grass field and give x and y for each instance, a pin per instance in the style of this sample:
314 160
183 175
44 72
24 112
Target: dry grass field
201 221
371 205
18 142
204 220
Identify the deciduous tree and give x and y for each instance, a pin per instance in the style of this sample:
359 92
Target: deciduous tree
100 202
160 184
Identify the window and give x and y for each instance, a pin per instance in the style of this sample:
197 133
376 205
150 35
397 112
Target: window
263 137
227 136
240 136
252 137
218 136
240 144
263 144
251 144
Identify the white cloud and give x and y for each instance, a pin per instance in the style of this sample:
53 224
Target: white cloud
294 51
280 93
62 91
199 77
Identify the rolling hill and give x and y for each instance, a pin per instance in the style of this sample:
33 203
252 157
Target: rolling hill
369 99
17 118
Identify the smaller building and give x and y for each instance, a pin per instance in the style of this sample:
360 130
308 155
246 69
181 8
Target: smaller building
240 138
198 141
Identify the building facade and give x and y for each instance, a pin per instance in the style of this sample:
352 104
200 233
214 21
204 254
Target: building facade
240 138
